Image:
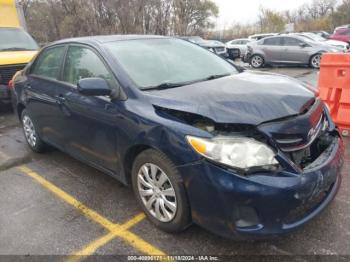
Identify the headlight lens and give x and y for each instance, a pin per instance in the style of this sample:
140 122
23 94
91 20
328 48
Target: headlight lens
238 152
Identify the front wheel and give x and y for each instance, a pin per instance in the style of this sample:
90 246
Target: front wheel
315 61
257 61
159 191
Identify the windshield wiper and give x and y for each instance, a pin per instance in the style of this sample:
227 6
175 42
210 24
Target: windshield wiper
16 49
212 77
168 85
165 85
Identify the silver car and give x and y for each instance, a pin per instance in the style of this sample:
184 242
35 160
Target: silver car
238 47
287 49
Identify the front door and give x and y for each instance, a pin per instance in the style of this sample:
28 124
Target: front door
89 123
296 51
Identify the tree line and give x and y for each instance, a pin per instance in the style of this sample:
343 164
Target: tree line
49 20
323 15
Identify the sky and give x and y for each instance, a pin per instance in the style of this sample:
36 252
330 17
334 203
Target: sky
246 11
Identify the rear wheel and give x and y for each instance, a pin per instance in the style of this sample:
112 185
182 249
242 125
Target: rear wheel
159 191
315 61
30 133
257 61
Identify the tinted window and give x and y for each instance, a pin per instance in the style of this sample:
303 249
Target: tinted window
273 41
48 64
151 62
244 42
83 63
289 41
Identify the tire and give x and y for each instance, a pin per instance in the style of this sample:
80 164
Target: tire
257 61
33 140
315 61
172 219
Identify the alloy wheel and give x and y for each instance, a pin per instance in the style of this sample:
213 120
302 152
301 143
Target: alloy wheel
257 61
315 61
29 131
157 192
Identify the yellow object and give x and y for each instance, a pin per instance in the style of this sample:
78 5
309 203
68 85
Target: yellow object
198 145
16 57
8 14
115 230
11 18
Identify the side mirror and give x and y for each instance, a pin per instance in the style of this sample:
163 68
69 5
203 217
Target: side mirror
303 45
94 87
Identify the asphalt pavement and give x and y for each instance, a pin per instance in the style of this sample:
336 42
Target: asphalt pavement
51 204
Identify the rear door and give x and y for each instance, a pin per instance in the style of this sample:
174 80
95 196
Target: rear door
40 90
272 48
88 123
293 51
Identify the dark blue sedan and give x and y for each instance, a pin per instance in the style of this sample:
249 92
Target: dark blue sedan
243 154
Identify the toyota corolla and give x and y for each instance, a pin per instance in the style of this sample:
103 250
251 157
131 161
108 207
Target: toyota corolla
242 154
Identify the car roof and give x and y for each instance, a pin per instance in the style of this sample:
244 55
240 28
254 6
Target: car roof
106 38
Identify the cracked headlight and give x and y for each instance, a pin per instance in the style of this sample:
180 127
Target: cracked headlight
238 152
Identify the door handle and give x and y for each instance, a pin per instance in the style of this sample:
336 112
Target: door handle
60 99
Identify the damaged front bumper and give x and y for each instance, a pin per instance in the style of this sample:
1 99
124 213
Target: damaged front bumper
263 204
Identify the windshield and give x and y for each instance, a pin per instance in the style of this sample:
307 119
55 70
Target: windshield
154 62
14 39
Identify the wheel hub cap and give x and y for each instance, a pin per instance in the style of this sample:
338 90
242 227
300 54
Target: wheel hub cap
156 192
29 131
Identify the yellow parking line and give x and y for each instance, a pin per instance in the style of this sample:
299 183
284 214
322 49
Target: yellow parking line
116 230
94 245
69 199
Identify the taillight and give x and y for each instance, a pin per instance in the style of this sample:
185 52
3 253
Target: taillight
11 84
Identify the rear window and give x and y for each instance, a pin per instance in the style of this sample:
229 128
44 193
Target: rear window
48 64
15 39
273 41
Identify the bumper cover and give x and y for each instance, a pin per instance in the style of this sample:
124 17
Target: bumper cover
218 196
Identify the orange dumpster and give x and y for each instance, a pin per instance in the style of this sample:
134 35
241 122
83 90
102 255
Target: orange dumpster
334 88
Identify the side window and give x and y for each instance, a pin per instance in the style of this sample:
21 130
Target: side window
289 41
273 41
81 62
48 64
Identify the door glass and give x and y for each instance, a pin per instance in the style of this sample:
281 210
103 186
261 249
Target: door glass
289 41
273 41
83 63
48 64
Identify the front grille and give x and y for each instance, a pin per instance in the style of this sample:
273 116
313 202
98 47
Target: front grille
291 143
7 72
303 150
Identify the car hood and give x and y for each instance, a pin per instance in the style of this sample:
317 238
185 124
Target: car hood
16 57
336 42
244 98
